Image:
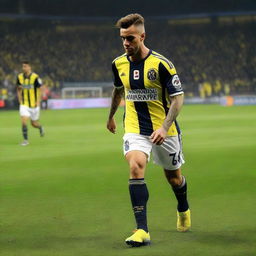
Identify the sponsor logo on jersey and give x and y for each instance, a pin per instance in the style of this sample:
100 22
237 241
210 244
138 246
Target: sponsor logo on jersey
27 86
136 74
176 82
152 74
142 95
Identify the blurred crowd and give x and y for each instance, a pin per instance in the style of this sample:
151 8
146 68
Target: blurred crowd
212 59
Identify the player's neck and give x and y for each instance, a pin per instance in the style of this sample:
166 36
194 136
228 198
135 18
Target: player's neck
141 54
27 74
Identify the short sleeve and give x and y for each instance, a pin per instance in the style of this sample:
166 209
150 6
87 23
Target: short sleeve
38 82
170 79
116 79
18 82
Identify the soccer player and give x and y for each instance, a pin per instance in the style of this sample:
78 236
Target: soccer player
28 92
153 99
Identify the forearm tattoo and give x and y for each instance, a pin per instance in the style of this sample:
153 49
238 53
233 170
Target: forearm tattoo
173 111
116 99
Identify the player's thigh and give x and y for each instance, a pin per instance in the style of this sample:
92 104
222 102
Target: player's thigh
169 155
24 114
137 150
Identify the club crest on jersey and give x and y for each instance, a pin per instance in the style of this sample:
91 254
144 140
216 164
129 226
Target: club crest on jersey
136 74
176 82
152 75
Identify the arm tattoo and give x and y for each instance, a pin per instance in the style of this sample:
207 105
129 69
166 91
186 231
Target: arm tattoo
176 104
116 99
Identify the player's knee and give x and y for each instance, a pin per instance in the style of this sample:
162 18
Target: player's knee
34 124
175 181
136 170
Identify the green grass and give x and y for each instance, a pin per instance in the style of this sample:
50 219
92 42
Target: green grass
67 194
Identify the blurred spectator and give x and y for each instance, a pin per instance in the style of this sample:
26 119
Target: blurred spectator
221 58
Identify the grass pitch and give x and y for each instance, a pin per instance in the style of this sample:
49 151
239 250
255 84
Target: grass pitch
67 194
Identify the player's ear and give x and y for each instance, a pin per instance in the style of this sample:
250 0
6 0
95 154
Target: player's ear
143 36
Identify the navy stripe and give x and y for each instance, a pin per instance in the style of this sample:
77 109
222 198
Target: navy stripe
145 122
164 101
29 103
35 92
164 59
22 95
177 127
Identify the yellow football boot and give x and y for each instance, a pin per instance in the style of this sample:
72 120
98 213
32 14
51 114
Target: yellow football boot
183 221
139 238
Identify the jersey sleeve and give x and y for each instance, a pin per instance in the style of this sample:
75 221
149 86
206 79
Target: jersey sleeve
38 82
170 79
18 82
116 79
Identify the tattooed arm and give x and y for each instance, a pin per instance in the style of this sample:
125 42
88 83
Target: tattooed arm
159 135
116 99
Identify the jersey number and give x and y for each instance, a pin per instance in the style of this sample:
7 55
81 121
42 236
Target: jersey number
174 159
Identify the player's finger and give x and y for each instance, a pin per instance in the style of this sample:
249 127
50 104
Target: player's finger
152 135
113 130
160 141
156 139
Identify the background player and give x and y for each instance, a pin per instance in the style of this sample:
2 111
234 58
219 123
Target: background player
154 97
29 96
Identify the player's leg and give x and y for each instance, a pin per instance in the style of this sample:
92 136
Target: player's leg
35 120
36 124
169 156
179 187
137 149
24 115
137 161
24 121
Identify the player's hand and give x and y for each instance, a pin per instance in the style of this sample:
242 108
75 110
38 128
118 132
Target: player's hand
158 136
111 125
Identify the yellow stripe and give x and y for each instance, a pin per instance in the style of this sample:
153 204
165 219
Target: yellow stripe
32 98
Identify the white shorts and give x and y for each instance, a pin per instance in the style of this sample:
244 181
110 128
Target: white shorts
33 113
169 155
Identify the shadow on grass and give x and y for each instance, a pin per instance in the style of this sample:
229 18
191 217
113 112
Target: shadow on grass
100 243
217 238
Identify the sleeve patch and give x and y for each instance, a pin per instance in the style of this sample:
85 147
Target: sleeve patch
176 82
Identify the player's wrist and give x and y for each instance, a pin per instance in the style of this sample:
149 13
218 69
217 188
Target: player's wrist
165 127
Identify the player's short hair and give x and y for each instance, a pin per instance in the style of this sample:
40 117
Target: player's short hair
129 20
26 62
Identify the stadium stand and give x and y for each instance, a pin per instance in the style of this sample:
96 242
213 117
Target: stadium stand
213 58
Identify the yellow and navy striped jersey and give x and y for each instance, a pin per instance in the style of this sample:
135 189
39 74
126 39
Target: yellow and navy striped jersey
30 89
147 84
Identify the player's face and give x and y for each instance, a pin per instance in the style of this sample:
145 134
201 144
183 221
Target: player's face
26 68
132 39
